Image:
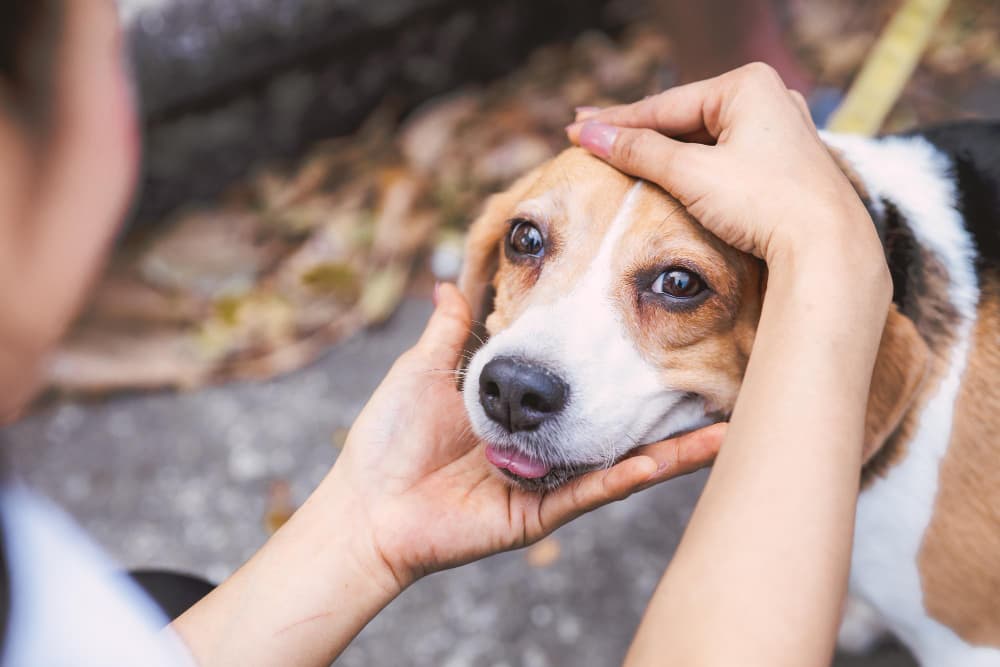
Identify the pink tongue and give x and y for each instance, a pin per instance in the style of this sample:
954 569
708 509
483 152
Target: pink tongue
516 462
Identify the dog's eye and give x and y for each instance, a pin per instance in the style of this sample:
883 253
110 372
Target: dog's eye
526 239
678 283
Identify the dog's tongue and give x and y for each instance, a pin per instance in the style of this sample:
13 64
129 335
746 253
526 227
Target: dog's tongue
520 464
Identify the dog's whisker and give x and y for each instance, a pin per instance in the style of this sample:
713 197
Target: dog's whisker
479 338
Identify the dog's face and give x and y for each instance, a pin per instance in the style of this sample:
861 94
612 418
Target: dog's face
617 320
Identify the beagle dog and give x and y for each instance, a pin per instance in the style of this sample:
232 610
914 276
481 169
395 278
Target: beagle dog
614 320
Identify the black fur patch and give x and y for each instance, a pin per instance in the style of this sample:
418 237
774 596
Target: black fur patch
905 259
974 148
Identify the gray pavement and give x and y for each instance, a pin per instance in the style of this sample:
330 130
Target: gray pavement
180 481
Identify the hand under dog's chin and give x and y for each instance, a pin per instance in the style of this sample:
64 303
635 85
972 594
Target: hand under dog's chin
529 472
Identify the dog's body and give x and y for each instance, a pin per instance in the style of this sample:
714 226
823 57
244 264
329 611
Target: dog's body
618 321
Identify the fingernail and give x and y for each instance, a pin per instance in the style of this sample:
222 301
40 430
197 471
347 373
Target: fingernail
598 138
437 291
583 113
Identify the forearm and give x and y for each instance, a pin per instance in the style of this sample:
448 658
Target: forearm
299 601
745 586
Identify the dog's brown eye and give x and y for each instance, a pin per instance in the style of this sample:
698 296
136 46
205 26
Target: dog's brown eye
526 239
679 283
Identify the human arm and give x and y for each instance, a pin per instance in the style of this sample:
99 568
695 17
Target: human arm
761 572
69 141
410 494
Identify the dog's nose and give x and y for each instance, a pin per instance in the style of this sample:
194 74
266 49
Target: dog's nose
519 395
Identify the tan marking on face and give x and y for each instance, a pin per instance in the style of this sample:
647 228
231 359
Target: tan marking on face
703 349
961 548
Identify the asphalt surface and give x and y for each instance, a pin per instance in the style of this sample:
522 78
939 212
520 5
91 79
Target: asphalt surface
181 481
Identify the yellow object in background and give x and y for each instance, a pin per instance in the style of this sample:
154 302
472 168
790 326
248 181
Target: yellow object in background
887 68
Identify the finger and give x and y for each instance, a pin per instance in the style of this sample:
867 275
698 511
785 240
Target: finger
677 111
802 105
593 490
444 337
685 454
650 465
799 100
681 169
692 110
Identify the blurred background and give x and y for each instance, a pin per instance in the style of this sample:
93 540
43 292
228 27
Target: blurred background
309 171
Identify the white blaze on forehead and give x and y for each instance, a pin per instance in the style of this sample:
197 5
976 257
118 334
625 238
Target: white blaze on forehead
599 275
616 398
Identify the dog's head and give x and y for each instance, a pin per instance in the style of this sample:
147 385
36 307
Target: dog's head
615 320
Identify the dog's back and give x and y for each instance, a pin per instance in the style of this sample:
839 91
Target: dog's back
927 548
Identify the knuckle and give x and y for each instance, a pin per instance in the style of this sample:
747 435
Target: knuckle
454 319
761 74
626 147
632 145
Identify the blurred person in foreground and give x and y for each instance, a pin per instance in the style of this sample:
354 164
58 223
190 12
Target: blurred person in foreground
412 493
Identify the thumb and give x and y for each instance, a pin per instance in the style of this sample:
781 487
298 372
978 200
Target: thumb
686 453
680 168
446 332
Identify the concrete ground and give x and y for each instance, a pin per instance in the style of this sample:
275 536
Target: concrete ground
181 481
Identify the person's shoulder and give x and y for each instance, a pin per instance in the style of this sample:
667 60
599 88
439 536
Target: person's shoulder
68 603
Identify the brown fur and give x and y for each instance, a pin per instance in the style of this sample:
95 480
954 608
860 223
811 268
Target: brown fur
934 319
961 548
705 350
902 365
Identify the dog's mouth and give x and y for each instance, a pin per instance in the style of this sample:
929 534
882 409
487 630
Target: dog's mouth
529 472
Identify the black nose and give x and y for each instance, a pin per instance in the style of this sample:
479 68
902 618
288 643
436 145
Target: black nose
519 395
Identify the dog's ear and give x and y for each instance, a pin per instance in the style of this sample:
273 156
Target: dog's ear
900 369
483 246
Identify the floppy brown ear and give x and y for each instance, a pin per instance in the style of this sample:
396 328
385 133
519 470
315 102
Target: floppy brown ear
482 246
900 369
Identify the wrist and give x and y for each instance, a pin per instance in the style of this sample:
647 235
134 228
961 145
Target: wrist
299 601
841 263
349 544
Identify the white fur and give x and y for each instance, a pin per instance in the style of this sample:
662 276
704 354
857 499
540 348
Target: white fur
894 512
616 398
862 627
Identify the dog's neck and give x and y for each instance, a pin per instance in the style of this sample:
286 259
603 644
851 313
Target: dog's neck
919 280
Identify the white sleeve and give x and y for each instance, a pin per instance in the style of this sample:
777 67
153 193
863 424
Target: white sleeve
69 604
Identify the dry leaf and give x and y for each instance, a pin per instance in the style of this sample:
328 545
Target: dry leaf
426 136
208 253
382 293
339 437
544 553
279 507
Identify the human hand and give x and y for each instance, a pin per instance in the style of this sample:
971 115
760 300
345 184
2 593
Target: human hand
69 144
418 491
740 151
